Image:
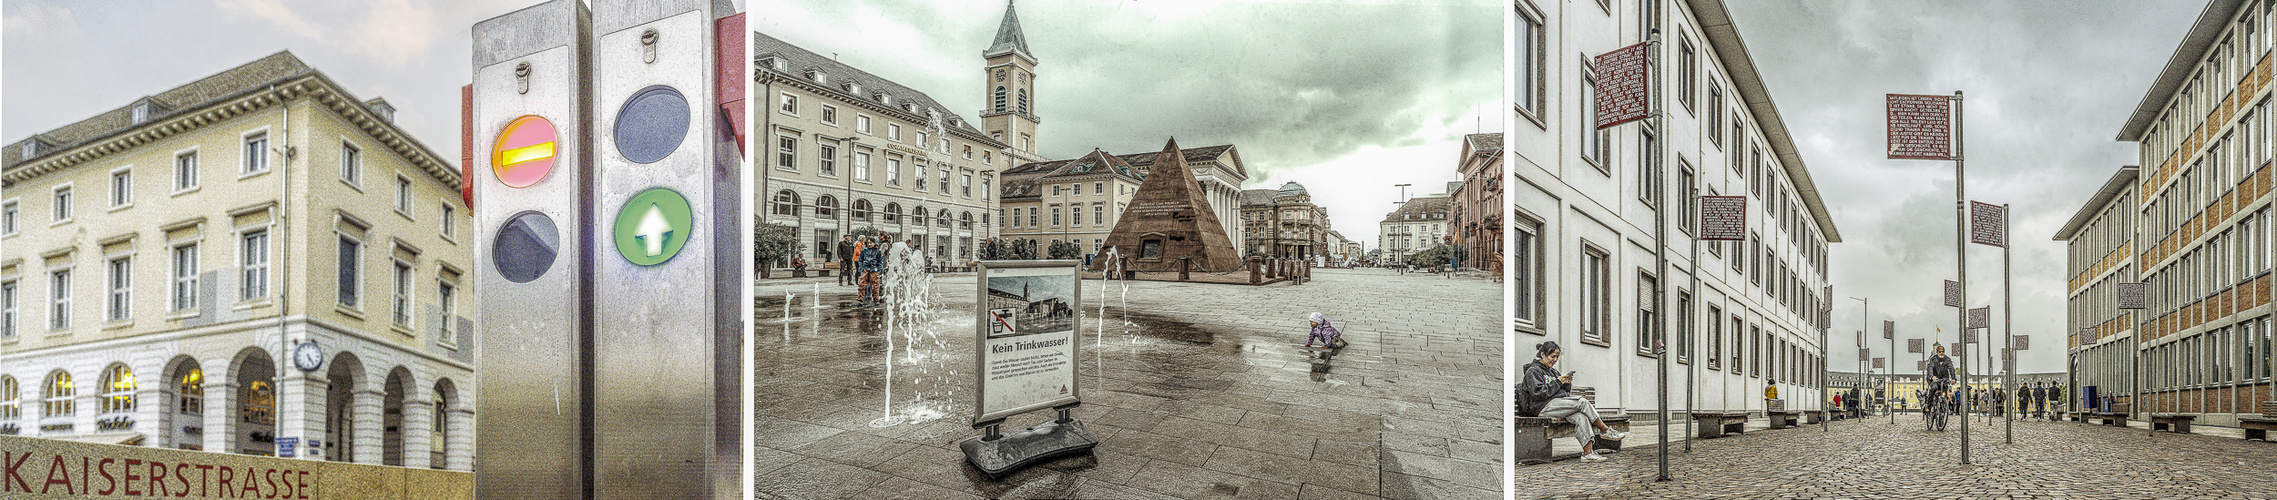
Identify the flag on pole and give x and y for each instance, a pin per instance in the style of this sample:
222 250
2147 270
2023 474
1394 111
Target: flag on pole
1920 127
1988 224
1623 90
1952 293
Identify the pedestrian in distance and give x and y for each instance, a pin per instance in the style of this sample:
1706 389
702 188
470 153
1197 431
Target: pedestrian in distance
1324 333
845 254
798 266
1546 393
869 262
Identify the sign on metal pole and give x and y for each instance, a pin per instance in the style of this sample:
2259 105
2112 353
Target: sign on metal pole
1865 354
1623 86
1920 127
1988 224
1877 363
2086 335
1920 365
1913 346
1979 318
2021 342
1027 357
1889 330
1723 218
1952 293
2131 295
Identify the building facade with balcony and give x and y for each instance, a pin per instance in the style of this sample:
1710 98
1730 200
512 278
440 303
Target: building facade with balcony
1477 205
255 262
1283 224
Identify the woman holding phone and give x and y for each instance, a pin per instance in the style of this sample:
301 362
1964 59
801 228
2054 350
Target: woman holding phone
1545 393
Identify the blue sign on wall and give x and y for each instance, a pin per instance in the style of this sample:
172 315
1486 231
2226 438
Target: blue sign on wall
285 446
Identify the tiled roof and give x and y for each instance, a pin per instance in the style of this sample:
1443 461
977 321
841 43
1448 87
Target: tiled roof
1145 161
797 61
190 97
1257 196
1421 207
1484 142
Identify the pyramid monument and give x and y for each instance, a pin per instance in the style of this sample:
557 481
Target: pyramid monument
1169 220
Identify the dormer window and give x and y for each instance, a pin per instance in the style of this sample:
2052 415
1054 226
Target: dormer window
881 97
818 76
141 112
380 107
31 148
852 88
772 62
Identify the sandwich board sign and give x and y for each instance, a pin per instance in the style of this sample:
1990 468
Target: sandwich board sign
1025 343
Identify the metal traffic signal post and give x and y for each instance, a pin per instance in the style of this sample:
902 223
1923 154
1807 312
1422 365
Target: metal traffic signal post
606 205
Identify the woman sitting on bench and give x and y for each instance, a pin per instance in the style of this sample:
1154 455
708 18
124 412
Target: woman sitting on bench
1545 393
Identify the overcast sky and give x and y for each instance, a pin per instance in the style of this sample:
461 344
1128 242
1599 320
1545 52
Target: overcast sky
1347 98
2048 85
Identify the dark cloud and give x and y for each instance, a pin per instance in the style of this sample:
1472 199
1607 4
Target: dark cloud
2048 84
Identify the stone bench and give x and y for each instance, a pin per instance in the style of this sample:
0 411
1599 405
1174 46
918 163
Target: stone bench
1536 436
1813 417
2257 428
2110 419
2175 422
1716 424
1776 411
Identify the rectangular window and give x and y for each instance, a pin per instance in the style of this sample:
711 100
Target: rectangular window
786 153
450 227
829 114
893 131
1687 198
1715 339
1596 293
1687 65
253 257
122 187
351 164
1075 214
8 217
122 288
1099 214
789 104
1098 187
403 195
446 300
862 123
861 166
1529 63
62 208
350 255
1715 114
827 158
1648 319
59 300
892 172
964 185
186 171
1683 348
1755 351
1526 268
256 153
402 294
186 277
944 181
917 176
7 309
1055 217
1592 138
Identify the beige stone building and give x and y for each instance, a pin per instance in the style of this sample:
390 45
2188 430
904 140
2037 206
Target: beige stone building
255 262
1097 183
1417 225
1283 223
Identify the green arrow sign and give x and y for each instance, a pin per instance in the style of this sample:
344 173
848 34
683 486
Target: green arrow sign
653 226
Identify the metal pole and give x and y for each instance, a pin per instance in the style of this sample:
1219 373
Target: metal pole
1961 263
1890 393
1660 232
1692 323
2007 324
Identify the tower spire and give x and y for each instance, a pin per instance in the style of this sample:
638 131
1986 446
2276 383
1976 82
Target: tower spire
1008 36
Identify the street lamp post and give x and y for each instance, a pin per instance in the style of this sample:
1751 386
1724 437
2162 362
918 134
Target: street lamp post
1866 309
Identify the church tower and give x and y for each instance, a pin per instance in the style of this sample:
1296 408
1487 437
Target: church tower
1011 87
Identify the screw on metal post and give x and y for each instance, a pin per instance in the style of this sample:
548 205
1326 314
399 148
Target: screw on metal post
522 78
648 46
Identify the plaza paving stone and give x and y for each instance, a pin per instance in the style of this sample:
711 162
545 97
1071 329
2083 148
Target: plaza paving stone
1872 458
1195 391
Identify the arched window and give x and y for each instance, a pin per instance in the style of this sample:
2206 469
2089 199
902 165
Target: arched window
862 210
56 394
892 213
786 203
190 390
825 206
1000 98
10 394
260 403
965 222
1023 101
118 389
439 439
943 217
917 216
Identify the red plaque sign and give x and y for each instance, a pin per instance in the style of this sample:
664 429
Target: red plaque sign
1920 127
1988 224
1623 86
1723 218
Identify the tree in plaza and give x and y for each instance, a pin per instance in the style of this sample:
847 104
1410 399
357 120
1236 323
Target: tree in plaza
1065 250
772 242
1012 249
1438 255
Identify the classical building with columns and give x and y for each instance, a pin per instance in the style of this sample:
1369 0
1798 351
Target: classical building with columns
255 262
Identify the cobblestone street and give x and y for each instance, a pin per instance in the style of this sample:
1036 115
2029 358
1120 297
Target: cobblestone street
1872 458
1195 391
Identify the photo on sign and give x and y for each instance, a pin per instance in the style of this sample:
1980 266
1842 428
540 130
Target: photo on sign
1029 305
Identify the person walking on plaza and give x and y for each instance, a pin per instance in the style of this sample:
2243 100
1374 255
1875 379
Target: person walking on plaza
845 253
1545 393
870 264
2055 398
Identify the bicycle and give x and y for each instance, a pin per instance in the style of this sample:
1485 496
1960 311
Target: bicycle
1935 409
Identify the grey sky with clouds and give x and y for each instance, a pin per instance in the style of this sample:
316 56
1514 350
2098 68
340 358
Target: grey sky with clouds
2047 84
1346 98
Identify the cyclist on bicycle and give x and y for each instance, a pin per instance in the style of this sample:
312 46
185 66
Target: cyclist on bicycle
1940 374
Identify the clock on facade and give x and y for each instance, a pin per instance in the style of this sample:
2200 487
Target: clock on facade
999 75
308 356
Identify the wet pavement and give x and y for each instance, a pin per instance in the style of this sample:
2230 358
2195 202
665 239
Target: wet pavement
1195 391
1872 458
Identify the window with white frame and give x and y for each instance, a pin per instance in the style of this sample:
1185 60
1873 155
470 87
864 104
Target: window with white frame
1596 294
447 305
186 171
11 405
62 208
893 131
450 224
402 293
862 123
118 389
826 157
59 299
57 395
256 153
350 254
122 288
1529 62
1648 315
893 171
122 187
789 104
9 217
829 115
944 181
786 152
1526 277
351 163
253 260
861 166
403 195
964 184
8 310
185 296
1098 213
